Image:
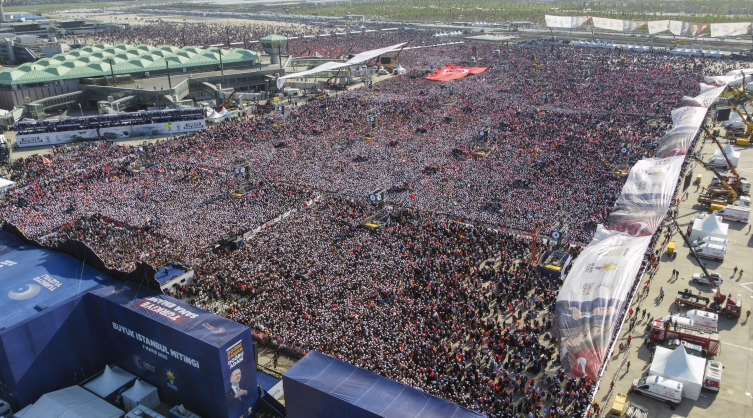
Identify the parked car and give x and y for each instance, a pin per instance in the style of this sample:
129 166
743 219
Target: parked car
700 278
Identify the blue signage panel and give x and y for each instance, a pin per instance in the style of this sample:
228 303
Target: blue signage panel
192 356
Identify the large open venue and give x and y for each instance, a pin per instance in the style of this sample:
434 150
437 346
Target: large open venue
231 213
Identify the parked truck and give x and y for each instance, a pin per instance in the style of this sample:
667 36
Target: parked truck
727 305
708 340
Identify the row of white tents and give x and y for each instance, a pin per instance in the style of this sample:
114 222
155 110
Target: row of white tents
642 48
696 52
448 34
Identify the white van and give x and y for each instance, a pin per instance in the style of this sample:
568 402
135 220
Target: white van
712 251
734 213
709 240
660 388
712 379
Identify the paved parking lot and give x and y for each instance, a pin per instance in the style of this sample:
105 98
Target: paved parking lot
735 398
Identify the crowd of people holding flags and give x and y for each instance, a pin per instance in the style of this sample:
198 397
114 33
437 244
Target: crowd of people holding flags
444 297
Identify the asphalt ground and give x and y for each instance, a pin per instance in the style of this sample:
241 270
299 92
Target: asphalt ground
736 354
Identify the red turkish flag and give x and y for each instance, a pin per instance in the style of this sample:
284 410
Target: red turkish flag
451 72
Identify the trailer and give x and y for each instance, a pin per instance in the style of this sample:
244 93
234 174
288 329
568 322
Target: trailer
726 305
708 340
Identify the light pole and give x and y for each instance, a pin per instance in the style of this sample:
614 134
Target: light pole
169 83
222 69
81 109
112 72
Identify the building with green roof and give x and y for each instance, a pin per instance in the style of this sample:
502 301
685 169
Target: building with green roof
86 74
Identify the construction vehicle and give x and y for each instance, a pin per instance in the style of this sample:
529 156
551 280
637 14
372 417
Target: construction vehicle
727 305
714 196
739 184
322 93
227 100
622 408
747 136
679 41
623 54
536 61
709 341
390 66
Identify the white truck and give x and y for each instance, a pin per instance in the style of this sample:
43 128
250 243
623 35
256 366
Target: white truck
709 240
695 318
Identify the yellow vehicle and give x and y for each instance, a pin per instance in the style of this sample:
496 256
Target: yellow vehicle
671 247
622 408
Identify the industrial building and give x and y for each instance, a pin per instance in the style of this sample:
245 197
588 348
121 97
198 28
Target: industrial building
127 77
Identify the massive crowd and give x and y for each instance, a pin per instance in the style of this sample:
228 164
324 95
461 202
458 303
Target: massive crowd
435 299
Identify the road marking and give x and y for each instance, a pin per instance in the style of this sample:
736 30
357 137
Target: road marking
733 345
745 285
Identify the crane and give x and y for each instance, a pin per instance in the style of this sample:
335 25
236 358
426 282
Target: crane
389 67
748 123
227 100
738 183
716 196
624 58
322 94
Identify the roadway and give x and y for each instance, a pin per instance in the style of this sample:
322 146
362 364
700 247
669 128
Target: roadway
736 354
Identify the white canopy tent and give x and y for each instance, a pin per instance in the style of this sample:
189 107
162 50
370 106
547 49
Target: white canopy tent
6 185
734 156
72 402
216 117
680 366
140 393
711 226
110 381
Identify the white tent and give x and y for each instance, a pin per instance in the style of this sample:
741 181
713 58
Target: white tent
6 185
216 117
399 70
734 156
72 402
711 226
680 366
109 382
140 393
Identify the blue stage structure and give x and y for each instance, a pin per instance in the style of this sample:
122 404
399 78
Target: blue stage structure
319 386
63 321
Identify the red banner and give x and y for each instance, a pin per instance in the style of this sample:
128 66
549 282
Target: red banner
451 72
703 27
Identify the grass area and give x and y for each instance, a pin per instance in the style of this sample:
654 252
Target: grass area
50 7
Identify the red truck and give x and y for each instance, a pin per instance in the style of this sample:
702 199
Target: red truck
731 309
708 340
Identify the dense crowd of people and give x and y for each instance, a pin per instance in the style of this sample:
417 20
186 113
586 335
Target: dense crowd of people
436 299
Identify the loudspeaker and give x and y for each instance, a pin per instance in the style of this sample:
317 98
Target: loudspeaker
722 113
688 180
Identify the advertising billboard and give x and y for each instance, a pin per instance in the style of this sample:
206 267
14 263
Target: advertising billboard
193 357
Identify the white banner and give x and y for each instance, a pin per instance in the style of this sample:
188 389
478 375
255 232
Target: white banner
676 141
566 22
708 96
651 183
617 24
729 29
679 28
591 301
688 116
657 26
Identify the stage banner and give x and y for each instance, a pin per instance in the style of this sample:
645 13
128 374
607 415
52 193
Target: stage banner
636 222
617 24
688 116
591 301
679 28
702 27
676 141
195 358
729 29
451 72
565 22
651 183
709 94
657 26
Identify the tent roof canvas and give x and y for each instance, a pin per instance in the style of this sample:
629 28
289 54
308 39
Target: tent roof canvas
139 390
712 224
72 402
679 364
108 382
